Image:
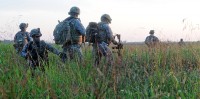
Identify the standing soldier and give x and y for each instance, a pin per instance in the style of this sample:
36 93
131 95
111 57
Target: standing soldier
151 40
72 47
105 38
36 51
21 38
181 42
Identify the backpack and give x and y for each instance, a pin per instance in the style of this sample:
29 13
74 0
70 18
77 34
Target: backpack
61 32
92 33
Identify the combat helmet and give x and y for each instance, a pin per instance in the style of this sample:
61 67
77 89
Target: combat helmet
151 32
107 17
74 10
23 25
35 32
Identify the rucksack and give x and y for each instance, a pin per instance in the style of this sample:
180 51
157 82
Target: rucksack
61 32
92 33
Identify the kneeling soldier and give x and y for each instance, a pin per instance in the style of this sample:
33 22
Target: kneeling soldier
36 51
21 38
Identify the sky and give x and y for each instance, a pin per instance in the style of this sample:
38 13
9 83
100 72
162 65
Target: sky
133 19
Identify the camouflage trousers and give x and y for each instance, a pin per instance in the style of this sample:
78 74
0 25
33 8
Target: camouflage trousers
99 50
73 52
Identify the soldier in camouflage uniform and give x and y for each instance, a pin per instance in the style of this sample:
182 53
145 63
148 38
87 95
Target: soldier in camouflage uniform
151 40
101 48
36 51
181 42
21 38
72 47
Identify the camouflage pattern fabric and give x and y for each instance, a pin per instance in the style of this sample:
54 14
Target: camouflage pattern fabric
99 50
106 34
73 49
74 10
151 41
20 39
37 53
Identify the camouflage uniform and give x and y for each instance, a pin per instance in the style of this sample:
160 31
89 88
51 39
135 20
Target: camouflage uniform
181 42
21 38
77 32
36 52
106 36
151 40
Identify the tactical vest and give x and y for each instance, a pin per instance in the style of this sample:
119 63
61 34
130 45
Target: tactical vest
76 37
103 34
37 52
151 41
21 38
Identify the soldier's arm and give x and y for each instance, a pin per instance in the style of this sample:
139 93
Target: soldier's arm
146 41
51 49
24 51
80 27
110 35
28 37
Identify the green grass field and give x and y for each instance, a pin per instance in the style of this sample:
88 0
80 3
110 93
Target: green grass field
169 71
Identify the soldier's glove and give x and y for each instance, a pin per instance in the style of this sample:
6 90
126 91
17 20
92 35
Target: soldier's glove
62 55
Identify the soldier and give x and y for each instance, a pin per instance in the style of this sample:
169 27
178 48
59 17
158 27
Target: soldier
151 40
105 38
181 42
72 47
21 38
36 51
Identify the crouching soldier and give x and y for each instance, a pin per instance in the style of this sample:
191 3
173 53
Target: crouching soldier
36 51
21 38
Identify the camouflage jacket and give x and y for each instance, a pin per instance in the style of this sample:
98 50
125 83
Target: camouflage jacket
77 25
106 33
151 40
34 51
77 30
22 38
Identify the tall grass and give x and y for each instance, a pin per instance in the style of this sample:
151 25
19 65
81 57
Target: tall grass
169 71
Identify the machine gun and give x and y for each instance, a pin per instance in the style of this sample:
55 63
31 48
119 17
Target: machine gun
119 46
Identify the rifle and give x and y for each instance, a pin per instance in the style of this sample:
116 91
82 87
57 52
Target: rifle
119 46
